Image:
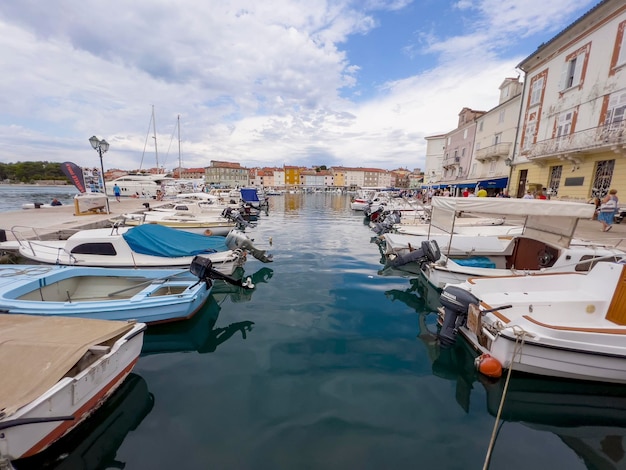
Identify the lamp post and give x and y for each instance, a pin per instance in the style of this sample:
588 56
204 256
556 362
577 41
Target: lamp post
102 146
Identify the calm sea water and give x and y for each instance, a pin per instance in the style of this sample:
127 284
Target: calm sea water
329 365
12 196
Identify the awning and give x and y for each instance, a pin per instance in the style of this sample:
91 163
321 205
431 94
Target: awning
494 183
467 185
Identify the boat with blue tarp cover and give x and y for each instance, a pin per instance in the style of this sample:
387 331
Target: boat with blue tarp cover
142 246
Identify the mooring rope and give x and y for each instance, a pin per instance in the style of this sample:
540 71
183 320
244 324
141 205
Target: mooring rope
520 335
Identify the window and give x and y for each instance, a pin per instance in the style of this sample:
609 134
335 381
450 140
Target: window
480 126
501 117
575 63
564 124
492 167
465 134
473 172
529 134
463 152
616 110
535 92
555 180
497 139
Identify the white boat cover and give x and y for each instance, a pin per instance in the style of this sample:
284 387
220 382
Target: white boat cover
36 352
512 206
550 221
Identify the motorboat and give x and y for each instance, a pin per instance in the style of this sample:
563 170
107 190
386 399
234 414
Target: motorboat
56 371
140 185
202 223
569 325
542 240
148 295
144 246
253 197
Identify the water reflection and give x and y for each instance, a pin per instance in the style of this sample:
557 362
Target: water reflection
94 444
588 417
200 333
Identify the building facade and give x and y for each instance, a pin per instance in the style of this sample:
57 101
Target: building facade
572 137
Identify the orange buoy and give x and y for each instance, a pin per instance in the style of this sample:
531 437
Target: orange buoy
489 366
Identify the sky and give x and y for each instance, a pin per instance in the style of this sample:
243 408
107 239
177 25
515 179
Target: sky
357 83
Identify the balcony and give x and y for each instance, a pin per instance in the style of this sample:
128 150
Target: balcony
451 162
501 150
610 137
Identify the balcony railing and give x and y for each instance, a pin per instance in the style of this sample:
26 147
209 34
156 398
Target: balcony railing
451 162
607 137
499 150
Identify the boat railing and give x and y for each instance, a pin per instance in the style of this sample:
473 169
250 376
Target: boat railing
32 245
22 234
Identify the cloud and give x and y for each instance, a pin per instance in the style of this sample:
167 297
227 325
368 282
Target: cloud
260 83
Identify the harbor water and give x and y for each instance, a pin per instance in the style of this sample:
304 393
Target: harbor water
331 363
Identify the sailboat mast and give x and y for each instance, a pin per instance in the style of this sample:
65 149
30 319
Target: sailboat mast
180 163
156 151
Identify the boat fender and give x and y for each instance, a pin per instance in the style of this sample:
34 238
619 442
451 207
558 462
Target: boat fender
488 365
208 232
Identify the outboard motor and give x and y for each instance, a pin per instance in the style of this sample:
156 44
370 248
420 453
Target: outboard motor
429 252
455 301
387 223
236 239
235 216
201 267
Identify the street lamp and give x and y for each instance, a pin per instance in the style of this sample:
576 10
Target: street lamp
102 146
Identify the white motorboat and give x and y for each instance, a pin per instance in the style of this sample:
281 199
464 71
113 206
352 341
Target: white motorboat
140 185
207 224
55 373
142 246
570 325
541 242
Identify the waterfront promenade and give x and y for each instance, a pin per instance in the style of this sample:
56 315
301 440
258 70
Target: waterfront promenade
60 222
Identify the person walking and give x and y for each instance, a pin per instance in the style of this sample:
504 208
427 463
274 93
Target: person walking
117 192
608 209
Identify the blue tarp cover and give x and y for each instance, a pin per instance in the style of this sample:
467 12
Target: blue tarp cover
158 240
476 262
249 195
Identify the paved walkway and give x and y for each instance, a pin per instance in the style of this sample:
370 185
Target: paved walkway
60 222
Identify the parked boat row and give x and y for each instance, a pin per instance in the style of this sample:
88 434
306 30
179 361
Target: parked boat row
527 294
72 325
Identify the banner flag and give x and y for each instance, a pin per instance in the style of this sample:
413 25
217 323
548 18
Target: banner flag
75 174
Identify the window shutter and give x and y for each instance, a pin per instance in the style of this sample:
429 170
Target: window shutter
563 80
580 60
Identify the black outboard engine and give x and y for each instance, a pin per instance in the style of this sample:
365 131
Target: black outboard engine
429 251
202 267
455 301
387 223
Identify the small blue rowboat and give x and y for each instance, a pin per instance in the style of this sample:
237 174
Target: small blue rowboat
146 295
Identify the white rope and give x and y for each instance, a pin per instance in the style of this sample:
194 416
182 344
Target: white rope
520 334
29 271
